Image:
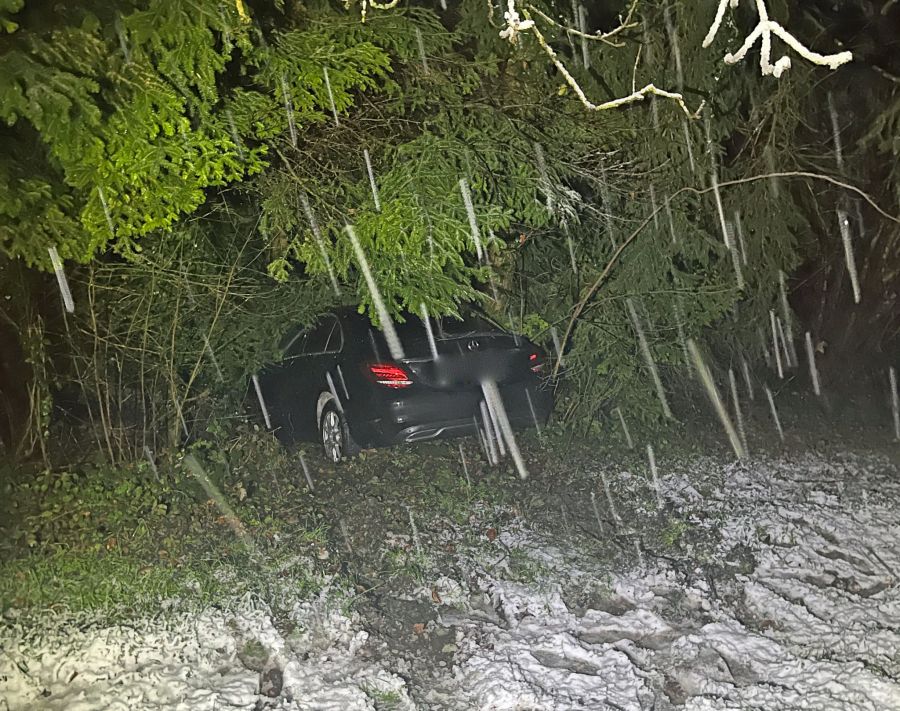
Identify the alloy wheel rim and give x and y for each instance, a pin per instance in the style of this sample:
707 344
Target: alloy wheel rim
332 436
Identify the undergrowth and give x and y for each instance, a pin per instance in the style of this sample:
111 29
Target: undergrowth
124 539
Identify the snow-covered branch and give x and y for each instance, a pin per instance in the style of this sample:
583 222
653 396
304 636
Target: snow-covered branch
763 32
516 26
377 5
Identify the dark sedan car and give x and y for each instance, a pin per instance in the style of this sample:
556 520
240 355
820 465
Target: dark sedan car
338 383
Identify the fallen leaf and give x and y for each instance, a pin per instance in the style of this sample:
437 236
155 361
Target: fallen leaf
419 628
491 533
435 598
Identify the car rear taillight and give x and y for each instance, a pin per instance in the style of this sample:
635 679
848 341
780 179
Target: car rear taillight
534 361
390 375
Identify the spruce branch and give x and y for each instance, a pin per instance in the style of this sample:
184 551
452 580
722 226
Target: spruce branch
763 32
613 260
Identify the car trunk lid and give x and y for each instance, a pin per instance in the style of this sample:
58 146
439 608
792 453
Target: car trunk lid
464 358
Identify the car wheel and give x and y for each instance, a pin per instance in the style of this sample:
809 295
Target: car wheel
335 435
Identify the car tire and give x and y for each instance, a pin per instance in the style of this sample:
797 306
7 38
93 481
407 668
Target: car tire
335 434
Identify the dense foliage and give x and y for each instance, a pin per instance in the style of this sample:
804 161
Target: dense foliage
204 159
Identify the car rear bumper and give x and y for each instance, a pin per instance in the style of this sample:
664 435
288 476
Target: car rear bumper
428 414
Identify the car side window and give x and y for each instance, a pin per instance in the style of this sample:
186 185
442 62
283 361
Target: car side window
295 344
324 337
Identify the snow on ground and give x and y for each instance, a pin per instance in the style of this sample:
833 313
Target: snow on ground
814 625
798 606
215 659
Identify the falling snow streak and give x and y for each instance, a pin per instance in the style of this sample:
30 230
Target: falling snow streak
788 320
571 251
61 280
648 358
775 344
597 513
151 460
735 258
337 121
537 424
714 181
488 442
770 166
774 410
671 220
748 381
739 230
690 148
557 346
763 345
651 457
860 225
640 553
569 35
262 402
470 212
317 235
895 402
495 424
738 412
653 206
306 473
372 184
238 143
713 393
109 222
790 355
123 40
184 426
196 470
289 110
625 431
415 532
607 206
333 391
384 318
212 357
844 224
609 499
582 26
462 456
679 327
492 395
340 373
421 44
811 359
673 43
428 332
836 131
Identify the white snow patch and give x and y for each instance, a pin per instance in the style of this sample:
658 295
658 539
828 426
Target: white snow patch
195 661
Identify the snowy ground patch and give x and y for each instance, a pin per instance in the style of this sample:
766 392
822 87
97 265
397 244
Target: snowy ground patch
793 603
244 657
815 623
